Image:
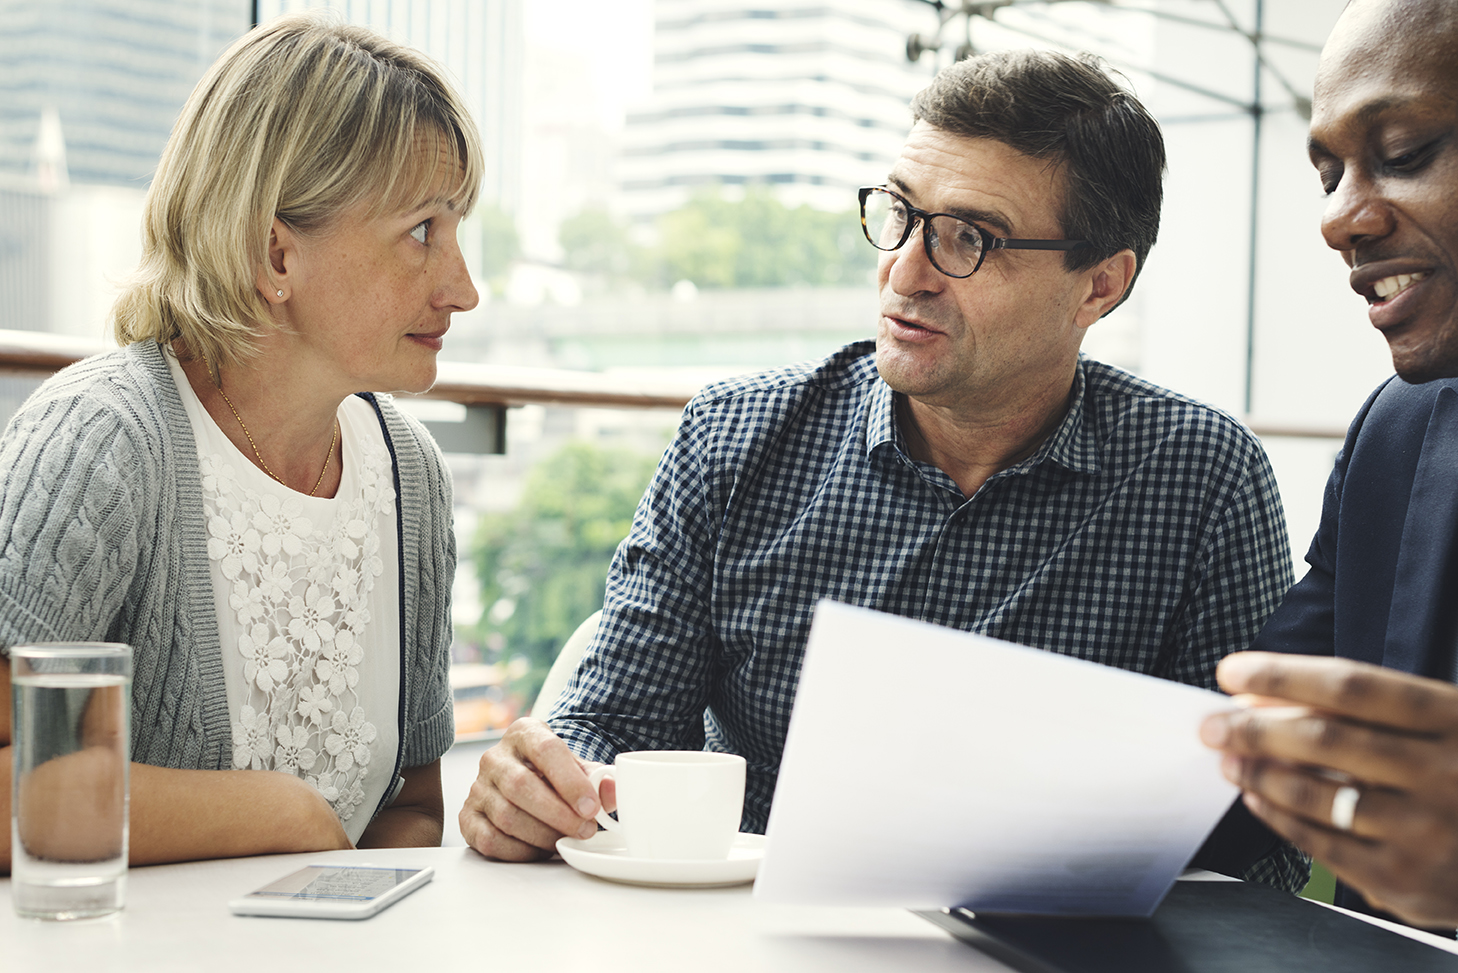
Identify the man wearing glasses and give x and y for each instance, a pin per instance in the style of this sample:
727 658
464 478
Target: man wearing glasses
967 468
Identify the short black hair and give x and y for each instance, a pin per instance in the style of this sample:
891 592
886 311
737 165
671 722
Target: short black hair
1071 112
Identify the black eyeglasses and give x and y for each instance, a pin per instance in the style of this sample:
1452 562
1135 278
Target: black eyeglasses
954 246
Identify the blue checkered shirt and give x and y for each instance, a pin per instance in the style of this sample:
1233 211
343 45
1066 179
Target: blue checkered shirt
1145 533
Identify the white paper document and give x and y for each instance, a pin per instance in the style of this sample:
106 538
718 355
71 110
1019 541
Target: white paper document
926 767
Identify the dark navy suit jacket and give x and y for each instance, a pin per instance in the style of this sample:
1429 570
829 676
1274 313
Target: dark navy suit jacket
1382 586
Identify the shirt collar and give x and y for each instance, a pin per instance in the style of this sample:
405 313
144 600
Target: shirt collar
881 427
1071 446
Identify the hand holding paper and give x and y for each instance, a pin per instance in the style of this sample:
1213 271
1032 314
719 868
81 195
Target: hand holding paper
1022 781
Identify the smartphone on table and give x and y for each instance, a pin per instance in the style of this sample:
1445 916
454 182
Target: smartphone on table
332 892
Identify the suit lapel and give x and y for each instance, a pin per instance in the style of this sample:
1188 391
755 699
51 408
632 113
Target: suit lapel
1418 633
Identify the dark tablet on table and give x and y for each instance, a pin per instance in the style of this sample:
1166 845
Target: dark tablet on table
1200 927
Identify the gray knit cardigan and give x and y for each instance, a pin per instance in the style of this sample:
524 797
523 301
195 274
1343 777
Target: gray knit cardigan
103 537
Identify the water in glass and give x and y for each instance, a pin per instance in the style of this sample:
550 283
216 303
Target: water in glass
69 802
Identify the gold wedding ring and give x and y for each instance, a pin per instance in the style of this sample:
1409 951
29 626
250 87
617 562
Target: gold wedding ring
1344 807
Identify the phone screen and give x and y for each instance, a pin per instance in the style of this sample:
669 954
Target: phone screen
337 884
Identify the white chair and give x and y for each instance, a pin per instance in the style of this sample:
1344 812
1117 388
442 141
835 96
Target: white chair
562 668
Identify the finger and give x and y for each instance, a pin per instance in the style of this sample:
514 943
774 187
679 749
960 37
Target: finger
1386 874
1342 852
514 795
513 821
1312 796
1352 689
1372 754
483 836
609 794
535 742
1285 706
495 826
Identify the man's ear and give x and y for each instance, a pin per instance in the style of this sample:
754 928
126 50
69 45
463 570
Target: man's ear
1108 281
274 276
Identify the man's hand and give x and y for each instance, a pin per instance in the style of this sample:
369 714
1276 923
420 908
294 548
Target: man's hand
531 791
1392 736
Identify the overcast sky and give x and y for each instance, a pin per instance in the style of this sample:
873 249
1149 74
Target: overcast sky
616 37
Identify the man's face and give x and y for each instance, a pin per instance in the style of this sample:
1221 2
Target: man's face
1384 139
1013 328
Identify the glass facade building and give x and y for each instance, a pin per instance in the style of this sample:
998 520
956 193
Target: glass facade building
810 99
115 72
480 44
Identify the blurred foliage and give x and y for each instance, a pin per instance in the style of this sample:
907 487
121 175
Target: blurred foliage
754 241
595 243
1322 886
757 241
543 566
500 244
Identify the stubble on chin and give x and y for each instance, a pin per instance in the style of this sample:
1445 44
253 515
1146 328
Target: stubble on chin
891 364
905 372
1430 360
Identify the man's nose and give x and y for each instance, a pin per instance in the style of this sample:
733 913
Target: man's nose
911 270
1355 213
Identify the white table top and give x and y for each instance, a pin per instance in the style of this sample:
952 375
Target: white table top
482 915
475 915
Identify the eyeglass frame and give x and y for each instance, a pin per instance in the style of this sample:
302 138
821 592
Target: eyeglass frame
989 242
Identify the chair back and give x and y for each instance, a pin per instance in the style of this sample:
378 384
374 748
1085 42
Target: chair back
562 669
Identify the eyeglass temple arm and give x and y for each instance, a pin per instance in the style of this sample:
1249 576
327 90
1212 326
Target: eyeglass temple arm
1004 243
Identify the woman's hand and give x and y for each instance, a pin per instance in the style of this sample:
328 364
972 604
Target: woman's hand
185 815
5 755
416 818
72 807
5 704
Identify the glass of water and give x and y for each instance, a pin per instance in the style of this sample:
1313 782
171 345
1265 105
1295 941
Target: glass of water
71 732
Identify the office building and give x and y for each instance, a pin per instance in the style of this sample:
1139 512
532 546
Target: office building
480 44
115 73
89 91
809 99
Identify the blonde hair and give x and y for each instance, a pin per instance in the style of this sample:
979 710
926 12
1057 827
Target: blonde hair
301 119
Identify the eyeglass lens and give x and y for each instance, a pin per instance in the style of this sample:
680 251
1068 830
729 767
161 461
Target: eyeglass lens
955 246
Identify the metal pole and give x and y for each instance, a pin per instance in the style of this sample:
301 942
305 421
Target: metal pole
1257 113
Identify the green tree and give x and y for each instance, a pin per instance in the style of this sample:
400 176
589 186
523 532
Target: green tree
543 566
702 242
595 243
757 241
754 241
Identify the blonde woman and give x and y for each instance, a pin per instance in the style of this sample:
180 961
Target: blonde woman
228 494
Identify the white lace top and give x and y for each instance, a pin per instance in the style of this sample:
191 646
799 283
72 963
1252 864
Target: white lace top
307 595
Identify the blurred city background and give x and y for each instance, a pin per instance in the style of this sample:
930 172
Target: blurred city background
670 199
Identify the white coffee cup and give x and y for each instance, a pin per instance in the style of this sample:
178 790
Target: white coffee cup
676 804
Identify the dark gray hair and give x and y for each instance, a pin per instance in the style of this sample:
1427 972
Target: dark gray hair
1071 112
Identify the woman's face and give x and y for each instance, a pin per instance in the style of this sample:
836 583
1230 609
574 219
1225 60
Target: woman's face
369 298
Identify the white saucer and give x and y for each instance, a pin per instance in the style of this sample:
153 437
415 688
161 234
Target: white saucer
606 856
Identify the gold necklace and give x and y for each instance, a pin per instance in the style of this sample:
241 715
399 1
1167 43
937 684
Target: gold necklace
332 440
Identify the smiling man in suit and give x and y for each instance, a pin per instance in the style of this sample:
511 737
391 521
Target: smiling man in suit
1364 773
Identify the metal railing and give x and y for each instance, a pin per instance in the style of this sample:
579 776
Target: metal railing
494 388
486 391
39 353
